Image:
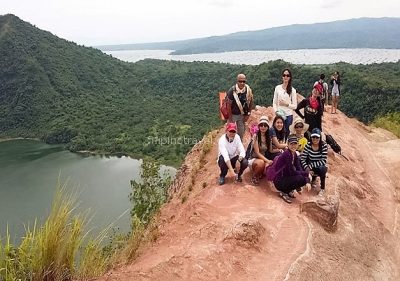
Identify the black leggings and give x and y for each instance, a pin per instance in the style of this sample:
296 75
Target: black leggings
321 172
224 168
288 184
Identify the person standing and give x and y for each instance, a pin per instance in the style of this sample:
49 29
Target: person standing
285 99
240 97
335 82
231 150
325 90
313 109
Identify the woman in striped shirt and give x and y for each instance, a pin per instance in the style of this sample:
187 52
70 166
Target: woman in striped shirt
314 158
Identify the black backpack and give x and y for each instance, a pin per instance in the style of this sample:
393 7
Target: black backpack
249 149
334 145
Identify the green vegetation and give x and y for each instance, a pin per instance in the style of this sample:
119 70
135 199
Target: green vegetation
148 193
390 122
60 250
60 92
50 252
379 33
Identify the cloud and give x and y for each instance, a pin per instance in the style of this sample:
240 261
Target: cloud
222 3
331 4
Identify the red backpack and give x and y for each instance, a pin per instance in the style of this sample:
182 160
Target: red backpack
223 106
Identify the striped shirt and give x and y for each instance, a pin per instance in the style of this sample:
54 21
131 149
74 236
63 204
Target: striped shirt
313 159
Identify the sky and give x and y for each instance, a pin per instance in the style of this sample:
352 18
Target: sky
106 22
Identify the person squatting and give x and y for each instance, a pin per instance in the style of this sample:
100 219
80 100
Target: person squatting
290 152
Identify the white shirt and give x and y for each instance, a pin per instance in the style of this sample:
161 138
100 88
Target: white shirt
280 94
228 150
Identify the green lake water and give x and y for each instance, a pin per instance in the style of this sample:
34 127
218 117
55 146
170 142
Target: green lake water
30 171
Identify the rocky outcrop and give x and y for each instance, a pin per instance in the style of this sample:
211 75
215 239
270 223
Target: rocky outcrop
323 210
238 231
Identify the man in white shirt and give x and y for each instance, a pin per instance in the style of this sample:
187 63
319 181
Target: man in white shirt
231 150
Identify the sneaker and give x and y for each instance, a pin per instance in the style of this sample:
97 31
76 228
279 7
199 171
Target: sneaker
285 197
238 178
321 192
221 180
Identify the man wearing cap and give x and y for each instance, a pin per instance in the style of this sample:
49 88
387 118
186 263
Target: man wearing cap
231 150
313 109
240 97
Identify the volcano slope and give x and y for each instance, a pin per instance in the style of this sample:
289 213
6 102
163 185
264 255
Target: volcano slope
241 232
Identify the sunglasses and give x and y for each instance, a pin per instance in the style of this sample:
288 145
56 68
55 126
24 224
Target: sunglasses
298 127
263 125
242 81
285 75
232 131
315 137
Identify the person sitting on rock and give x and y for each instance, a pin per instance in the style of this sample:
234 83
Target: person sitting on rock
314 159
289 174
261 145
298 128
231 150
278 137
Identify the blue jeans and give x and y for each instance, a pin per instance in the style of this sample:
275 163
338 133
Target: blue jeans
288 122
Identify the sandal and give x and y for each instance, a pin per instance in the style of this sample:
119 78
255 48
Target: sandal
255 181
285 197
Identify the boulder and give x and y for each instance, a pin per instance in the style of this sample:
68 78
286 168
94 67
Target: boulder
322 210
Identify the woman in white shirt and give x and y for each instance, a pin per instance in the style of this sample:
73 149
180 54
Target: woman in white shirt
285 98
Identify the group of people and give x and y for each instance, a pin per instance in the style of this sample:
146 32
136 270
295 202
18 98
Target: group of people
292 146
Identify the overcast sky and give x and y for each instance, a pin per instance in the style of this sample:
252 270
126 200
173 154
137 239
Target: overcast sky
98 22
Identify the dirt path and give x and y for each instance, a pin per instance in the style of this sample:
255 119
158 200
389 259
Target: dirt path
241 232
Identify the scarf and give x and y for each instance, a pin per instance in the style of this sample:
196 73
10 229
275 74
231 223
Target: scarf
314 103
242 90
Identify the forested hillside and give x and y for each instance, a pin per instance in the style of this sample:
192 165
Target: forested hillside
379 33
64 93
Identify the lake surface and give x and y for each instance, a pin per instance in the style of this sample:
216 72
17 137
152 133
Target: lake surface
29 173
306 56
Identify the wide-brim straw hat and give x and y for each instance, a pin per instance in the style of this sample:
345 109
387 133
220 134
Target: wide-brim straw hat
298 121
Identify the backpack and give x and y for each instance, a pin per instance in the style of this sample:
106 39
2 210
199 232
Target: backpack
334 145
271 172
224 103
249 150
224 106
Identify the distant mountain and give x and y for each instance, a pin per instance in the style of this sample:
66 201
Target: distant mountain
378 33
60 92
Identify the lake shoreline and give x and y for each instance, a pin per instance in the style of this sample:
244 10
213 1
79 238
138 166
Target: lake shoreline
3 139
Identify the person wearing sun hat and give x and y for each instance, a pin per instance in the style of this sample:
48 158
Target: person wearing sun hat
289 174
313 109
298 128
261 145
314 159
231 150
